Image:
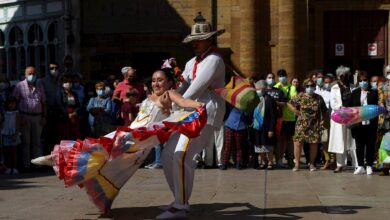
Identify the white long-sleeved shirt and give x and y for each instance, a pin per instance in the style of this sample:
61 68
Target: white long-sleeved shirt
210 75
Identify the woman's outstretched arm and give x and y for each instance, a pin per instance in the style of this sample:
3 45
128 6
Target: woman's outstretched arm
182 102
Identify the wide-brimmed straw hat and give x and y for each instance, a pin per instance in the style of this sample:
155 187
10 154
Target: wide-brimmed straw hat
201 30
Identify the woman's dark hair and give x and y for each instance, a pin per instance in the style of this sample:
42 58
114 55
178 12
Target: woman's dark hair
168 73
282 72
65 79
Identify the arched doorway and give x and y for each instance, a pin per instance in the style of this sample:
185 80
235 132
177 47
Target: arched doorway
3 58
52 37
36 50
16 62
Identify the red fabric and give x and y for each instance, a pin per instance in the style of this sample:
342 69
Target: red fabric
233 145
278 129
201 58
123 86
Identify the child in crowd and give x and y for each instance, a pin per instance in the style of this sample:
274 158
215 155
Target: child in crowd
129 109
10 133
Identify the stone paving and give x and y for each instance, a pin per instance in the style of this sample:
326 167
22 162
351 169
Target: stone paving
226 195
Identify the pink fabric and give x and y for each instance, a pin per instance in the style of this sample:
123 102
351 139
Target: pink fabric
123 86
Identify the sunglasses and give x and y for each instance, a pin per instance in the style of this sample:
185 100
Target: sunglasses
364 80
308 86
53 68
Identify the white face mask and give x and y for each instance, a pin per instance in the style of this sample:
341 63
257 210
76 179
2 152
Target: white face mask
54 72
67 85
388 76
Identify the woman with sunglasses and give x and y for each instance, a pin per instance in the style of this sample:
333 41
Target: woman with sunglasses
310 108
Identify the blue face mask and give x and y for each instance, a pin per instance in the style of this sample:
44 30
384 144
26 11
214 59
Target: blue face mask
310 90
327 86
320 81
31 78
270 82
363 84
260 92
283 79
374 85
100 92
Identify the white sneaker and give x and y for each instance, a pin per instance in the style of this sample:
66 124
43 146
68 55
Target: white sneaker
172 215
359 170
369 170
43 161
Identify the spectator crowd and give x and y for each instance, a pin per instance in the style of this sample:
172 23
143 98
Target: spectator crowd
292 119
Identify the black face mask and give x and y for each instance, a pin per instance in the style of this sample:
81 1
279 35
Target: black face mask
344 79
132 79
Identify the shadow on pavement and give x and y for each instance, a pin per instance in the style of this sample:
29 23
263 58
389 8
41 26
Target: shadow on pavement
233 211
20 181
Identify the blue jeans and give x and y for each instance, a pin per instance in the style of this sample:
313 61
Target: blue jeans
157 154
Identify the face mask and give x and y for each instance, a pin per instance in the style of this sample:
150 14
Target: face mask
100 92
67 85
31 78
344 79
54 73
374 85
270 82
327 86
363 84
388 76
310 90
260 92
107 90
3 86
132 80
320 81
283 79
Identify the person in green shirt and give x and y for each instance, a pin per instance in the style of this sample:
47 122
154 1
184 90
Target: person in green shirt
289 118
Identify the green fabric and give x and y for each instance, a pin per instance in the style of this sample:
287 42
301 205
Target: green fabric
249 101
288 115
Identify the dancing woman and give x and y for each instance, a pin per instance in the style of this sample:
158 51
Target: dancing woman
104 165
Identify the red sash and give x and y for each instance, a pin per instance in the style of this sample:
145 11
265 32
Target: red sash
200 58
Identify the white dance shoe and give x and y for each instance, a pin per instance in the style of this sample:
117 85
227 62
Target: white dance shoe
172 215
168 207
42 161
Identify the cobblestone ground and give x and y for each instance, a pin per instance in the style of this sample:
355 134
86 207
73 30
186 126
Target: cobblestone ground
232 194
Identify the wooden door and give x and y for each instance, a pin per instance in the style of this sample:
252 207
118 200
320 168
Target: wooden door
357 39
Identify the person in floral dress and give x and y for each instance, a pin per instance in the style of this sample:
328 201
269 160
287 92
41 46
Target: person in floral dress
310 109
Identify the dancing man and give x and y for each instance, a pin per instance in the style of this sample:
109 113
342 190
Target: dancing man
202 74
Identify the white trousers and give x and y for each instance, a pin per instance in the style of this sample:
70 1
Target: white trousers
179 164
341 159
219 136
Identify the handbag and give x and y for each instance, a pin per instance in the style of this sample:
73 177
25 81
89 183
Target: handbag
240 93
386 124
324 135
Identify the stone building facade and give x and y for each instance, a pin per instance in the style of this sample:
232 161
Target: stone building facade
261 35
35 32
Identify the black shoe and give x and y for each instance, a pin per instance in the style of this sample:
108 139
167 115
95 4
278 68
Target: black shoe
222 167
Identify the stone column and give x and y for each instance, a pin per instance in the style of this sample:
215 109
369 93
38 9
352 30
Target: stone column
248 37
293 40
